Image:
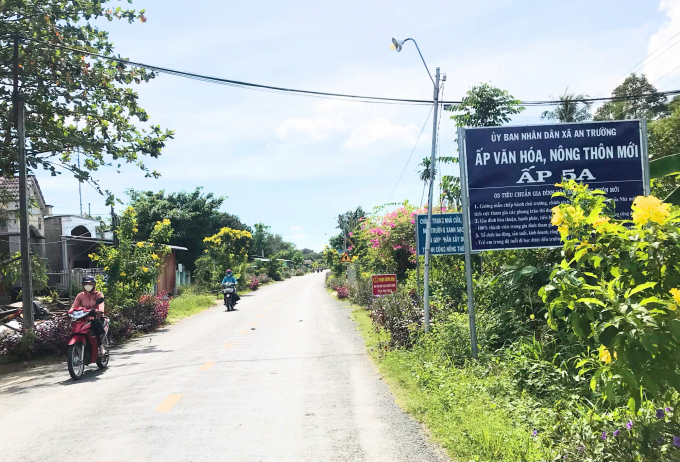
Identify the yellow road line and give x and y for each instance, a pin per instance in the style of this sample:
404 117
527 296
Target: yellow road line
229 345
169 403
206 366
253 323
243 332
260 315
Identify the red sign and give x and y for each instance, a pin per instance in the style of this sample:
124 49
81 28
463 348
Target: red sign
384 284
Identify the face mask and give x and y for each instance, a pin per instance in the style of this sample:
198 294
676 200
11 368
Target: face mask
88 287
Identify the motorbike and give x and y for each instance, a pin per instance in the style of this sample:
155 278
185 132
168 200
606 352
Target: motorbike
83 348
228 289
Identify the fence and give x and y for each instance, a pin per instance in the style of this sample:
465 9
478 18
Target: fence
68 283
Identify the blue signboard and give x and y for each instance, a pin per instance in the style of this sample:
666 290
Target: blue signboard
447 234
512 171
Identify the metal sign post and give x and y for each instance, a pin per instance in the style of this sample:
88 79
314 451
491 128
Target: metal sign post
467 241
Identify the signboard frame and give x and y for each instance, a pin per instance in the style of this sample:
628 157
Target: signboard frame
465 193
432 236
379 275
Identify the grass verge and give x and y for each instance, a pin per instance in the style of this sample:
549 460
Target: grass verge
473 412
189 304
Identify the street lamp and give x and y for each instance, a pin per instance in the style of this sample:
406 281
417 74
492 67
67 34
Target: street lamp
397 45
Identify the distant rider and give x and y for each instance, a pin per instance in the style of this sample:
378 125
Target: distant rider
230 278
88 299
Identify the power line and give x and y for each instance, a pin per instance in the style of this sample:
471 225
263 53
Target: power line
318 94
636 65
412 151
665 75
671 82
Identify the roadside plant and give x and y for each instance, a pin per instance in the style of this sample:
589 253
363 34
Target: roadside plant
618 288
133 267
227 249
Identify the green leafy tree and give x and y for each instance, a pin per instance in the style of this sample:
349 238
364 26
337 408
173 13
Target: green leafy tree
133 267
193 216
632 105
348 222
73 101
485 106
664 151
571 108
227 249
267 243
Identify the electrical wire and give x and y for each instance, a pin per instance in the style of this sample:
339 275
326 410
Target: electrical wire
665 75
636 65
318 94
412 151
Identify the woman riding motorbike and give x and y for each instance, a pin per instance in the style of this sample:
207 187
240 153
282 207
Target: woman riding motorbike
88 299
230 278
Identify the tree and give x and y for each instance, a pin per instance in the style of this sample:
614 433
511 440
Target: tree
267 243
485 106
664 151
194 216
227 249
133 267
571 108
631 105
73 101
348 222
482 106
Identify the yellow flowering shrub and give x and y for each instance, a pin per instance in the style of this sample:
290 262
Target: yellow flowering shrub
133 267
617 288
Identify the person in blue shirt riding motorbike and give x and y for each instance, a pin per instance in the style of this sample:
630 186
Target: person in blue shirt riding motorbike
230 278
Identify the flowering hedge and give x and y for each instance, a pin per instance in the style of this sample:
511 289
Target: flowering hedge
618 286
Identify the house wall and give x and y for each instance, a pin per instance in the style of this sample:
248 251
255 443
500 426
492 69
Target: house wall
53 247
166 279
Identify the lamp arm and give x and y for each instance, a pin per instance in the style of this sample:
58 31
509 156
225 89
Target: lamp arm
423 59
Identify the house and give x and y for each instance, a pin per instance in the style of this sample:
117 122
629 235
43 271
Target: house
71 239
10 236
10 226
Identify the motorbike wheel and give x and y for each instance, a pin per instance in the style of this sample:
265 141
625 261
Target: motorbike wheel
76 367
103 361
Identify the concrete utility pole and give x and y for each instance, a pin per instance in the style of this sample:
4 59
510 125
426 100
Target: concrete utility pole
26 286
428 228
397 45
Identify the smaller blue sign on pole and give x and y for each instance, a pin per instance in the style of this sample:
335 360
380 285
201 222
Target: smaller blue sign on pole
447 234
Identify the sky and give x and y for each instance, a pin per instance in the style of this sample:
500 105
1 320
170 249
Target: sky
294 162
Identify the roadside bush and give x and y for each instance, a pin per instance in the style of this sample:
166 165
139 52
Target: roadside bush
276 276
396 313
147 314
361 292
618 288
254 283
264 279
300 272
648 435
342 292
332 282
51 337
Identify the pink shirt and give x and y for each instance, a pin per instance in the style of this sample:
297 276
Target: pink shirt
88 300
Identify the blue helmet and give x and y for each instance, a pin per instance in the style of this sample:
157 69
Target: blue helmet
89 280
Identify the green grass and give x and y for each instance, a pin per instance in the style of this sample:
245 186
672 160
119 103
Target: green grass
473 412
189 304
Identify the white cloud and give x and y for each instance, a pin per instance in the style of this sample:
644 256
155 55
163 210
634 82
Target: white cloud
381 129
667 66
299 236
311 129
296 228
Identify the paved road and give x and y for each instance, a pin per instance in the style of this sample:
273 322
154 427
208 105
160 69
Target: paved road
284 378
